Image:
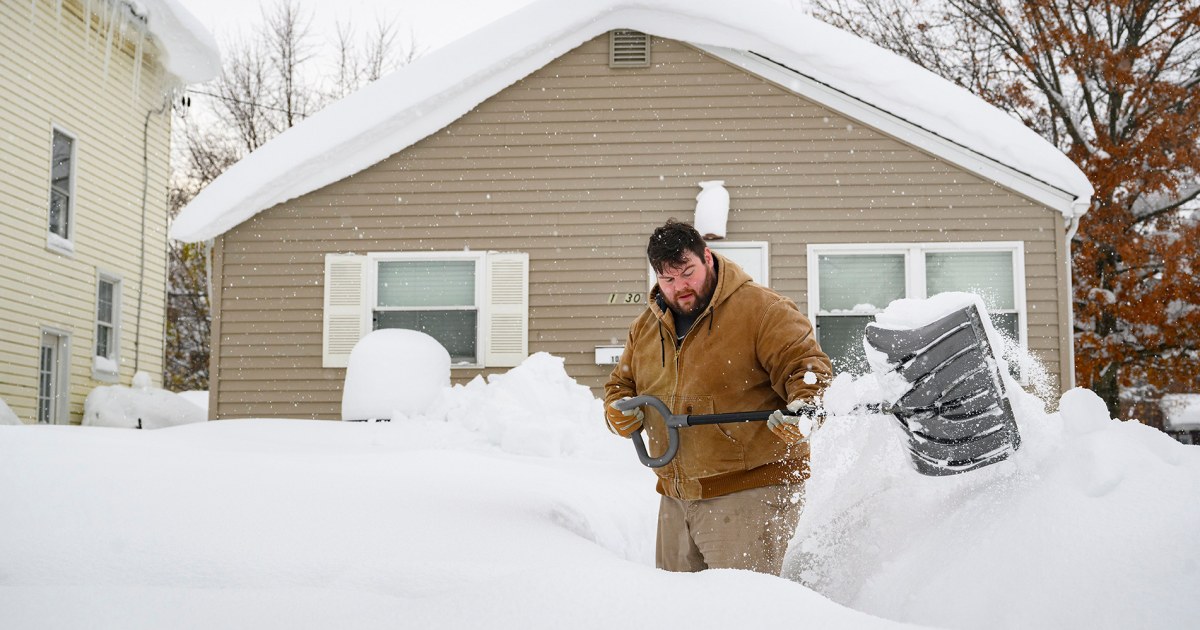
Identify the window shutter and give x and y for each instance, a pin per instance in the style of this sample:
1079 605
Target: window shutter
506 314
345 307
628 49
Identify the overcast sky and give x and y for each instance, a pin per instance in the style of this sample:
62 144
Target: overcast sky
432 22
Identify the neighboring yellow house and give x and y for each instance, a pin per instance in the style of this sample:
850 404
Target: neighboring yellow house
85 94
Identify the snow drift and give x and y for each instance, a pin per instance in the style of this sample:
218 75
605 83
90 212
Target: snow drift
509 506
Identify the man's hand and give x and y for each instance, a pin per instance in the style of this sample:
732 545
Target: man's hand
624 423
794 429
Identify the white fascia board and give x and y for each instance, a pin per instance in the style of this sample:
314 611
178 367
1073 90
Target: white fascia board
899 128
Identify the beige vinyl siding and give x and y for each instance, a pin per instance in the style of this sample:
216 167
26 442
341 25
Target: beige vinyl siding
53 75
575 165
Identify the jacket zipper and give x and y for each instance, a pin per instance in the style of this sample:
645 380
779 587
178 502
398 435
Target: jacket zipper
678 353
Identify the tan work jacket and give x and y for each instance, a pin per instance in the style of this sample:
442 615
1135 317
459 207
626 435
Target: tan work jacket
748 351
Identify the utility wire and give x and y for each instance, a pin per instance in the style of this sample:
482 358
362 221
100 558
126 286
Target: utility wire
241 102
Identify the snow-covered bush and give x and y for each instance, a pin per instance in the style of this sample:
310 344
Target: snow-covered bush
394 372
139 407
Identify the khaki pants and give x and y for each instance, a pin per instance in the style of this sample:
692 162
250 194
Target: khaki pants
744 530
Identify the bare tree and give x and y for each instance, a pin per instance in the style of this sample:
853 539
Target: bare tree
380 54
268 86
1116 85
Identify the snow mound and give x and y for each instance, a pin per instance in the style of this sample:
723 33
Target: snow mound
198 398
394 373
6 414
1091 524
534 409
138 407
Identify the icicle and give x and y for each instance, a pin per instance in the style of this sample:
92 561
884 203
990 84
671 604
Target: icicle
137 63
108 37
87 23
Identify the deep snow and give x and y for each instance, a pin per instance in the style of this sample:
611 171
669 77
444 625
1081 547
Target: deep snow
507 505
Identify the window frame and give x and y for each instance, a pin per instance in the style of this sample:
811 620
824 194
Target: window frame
480 261
114 351
54 241
915 276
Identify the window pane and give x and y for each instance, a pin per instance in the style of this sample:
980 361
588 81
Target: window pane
60 167
104 302
60 184
417 283
58 213
455 330
841 338
848 280
103 340
1006 325
986 274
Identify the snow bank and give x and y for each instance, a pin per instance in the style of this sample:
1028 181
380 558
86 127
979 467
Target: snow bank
138 407
534 409
6 414
1182 411
446 521
1091 524
310 524
393 373
198 398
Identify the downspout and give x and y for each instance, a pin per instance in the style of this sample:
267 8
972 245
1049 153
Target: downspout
1078 207
137 332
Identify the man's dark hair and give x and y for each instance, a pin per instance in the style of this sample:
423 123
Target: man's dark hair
669 244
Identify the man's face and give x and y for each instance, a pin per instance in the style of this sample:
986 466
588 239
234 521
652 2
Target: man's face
688 287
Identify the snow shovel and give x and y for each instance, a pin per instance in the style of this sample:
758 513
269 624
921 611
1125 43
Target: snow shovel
954 411
676 421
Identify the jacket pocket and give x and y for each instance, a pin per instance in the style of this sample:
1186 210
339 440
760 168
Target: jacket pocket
707 449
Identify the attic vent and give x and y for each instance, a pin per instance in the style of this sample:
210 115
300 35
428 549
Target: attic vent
628 49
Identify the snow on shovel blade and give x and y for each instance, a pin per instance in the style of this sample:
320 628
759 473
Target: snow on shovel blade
955 412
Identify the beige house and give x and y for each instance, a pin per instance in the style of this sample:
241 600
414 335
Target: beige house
498 193
85 93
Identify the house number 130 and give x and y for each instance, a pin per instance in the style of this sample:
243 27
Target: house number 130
625 298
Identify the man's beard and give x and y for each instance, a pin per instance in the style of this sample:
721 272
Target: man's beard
701 301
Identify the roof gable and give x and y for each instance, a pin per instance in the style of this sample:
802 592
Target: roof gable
395 112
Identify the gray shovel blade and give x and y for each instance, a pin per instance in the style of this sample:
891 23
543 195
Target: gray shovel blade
955 412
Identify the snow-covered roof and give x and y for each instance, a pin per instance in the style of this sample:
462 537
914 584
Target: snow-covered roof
432 92
1181 411
189 51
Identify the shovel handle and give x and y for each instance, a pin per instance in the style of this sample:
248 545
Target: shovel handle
674 421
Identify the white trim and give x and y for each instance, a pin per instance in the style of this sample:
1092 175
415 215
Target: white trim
899 128
914 273
114 353
55 242
764 248
479 258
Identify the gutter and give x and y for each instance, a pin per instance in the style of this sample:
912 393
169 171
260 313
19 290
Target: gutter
1079 206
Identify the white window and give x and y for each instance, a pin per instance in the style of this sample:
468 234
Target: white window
62 190
849 284
752 256
108 313
476 304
